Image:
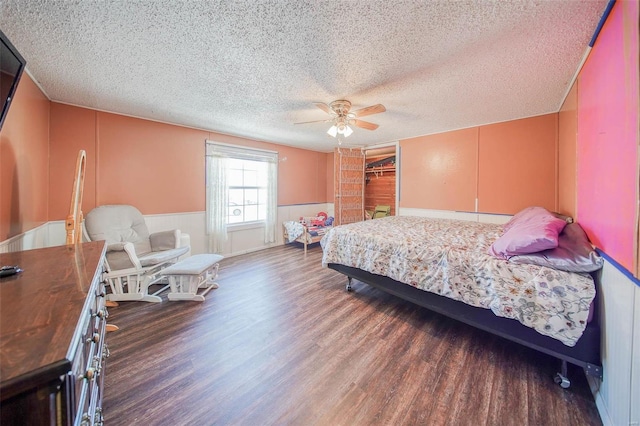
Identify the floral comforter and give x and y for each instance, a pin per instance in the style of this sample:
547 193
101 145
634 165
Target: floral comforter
450 258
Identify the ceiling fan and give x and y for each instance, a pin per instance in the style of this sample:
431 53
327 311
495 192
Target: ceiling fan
343 118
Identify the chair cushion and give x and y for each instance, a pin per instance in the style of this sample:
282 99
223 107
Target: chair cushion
194 265
117 224
381 211
156 257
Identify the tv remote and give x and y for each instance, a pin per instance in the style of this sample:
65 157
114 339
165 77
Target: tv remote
7 271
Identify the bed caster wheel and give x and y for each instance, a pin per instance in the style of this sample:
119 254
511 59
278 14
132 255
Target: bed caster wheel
348 287
562 381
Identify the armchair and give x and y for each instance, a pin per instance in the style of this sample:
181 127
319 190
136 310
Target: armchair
134 256
380 211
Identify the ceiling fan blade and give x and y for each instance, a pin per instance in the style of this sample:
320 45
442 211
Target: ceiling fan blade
364 124
373 109
324 107
328 120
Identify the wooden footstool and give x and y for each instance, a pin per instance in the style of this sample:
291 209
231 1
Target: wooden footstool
187 276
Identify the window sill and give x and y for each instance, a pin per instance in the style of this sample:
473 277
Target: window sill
233 227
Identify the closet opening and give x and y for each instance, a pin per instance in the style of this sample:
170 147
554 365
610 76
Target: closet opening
380 189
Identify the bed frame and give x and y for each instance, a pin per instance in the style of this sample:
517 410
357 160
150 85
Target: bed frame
586 352
305 239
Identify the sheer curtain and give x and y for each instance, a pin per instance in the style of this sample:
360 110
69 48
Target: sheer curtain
217 190
216 201
272 200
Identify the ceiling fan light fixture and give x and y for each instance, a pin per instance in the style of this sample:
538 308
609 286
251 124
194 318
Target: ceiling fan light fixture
343 127
343 119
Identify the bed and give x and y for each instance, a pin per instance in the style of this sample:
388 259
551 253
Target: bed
449 266
309 230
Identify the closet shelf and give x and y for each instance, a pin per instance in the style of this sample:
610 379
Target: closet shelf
381 169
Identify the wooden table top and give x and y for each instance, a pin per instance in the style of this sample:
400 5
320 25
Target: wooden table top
40 309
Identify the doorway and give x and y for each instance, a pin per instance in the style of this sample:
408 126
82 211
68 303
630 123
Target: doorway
380 178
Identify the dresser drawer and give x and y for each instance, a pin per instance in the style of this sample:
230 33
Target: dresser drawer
89 362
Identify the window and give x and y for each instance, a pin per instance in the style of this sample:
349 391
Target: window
241 189
247 191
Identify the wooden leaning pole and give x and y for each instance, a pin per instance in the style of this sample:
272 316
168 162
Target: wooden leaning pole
73 224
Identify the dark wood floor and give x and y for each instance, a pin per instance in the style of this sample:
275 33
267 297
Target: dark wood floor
282 343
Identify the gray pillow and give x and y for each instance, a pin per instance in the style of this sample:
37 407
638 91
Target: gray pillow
564 217
574 253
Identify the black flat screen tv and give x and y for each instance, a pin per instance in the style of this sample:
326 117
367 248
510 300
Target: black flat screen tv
11 66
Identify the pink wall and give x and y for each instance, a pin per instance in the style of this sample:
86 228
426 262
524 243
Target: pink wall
24 162
608 137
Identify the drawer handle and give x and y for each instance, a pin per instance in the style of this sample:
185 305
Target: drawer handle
93 371
102 314
97 365
105 352
99 418
90 374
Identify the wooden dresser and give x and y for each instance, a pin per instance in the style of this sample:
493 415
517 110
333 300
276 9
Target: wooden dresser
52 336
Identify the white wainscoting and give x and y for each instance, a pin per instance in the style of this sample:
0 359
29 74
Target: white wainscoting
241 240
618 394
32 239
57 233
191 223
634 396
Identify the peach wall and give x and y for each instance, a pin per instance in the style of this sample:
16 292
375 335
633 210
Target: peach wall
440 171
506 166
517 165
71 130
329 178
24 161
158 167
567 140
301 177
608 137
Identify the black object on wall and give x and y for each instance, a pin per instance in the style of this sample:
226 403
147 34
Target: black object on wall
11 67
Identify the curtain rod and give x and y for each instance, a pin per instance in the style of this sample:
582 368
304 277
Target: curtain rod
230 145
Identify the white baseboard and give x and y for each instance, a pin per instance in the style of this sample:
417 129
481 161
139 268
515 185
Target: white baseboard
594 385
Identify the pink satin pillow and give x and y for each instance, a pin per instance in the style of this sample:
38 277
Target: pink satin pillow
531 230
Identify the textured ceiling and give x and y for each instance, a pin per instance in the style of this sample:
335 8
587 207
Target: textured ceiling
253 68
